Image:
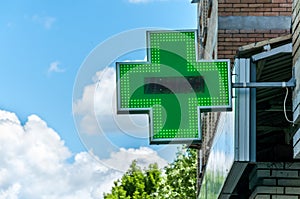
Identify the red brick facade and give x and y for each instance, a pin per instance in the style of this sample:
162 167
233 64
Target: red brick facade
255 7
229 40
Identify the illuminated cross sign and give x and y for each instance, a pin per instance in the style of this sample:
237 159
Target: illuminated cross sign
173 86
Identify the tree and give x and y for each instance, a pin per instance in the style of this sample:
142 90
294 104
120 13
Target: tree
181 176
177 181
137 183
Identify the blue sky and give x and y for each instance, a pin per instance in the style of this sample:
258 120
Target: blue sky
44 44
38 33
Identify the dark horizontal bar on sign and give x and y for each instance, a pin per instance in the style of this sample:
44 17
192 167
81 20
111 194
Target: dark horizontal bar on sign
169 85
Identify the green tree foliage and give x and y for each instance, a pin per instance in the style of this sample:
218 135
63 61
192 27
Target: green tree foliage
177 180
180 180
137 183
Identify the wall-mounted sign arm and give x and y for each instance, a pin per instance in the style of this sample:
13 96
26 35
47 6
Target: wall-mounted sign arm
290 84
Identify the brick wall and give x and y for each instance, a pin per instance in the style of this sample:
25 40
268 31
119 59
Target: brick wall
229 40
255 7
278 180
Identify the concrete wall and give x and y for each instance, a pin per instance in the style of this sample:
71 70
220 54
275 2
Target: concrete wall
208 34
210 51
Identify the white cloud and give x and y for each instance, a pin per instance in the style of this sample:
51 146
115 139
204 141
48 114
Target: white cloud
12 192
54 67
46 21
143 155
97 109
97 122
35 163
9 24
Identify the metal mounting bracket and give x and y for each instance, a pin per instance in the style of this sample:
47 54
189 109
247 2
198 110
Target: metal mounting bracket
290 84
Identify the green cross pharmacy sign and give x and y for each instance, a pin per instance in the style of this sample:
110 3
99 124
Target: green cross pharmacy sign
173 87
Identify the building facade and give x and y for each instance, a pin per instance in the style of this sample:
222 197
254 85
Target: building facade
261 38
